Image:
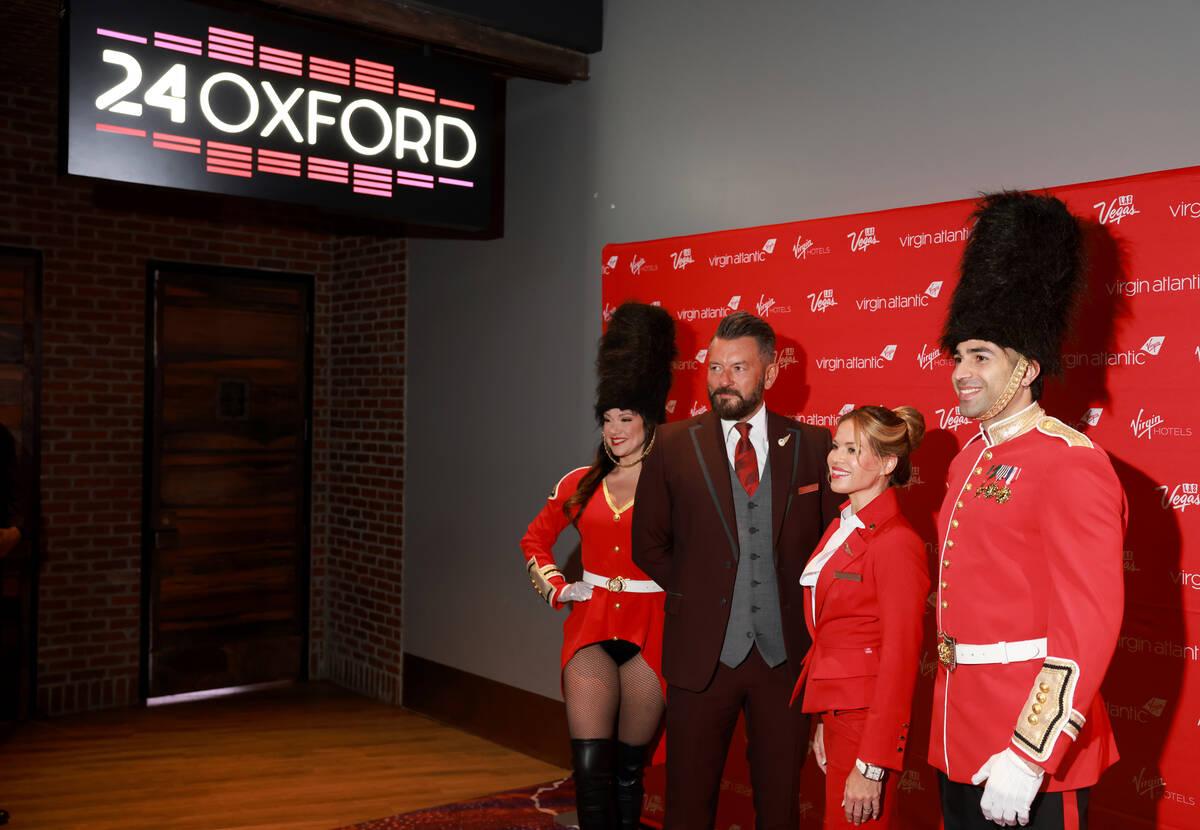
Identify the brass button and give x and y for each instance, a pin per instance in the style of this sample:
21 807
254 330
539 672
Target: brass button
616 548
945 604
949 543
954 523
1037 708
960 505
1041 697
1033 719
945 585
988 455
616 605
979 471
945 563
616 517
967 486
1044 686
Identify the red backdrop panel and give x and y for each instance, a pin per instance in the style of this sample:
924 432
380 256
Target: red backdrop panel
857 303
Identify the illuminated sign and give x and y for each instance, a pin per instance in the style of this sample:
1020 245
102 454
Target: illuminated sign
181 95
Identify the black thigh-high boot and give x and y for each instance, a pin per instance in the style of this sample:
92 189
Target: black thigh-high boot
631 761
593 761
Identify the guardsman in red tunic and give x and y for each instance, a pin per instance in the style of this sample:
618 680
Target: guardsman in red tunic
612 638
1030 591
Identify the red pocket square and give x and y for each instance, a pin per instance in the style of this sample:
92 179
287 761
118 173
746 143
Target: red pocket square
807 488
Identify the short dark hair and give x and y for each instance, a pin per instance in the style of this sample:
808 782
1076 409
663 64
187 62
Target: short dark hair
745 324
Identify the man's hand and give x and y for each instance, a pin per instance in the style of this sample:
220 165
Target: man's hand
574 592
1011 786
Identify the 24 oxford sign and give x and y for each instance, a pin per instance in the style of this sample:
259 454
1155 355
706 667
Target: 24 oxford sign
181 95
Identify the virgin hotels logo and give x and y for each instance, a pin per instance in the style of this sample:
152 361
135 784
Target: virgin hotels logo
862 240
766 305
681 259
1111 213
930 358
803 248
1143 425
638 264
951 419
822 300
1180 497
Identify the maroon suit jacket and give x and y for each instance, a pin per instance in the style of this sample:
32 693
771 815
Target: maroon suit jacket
685 534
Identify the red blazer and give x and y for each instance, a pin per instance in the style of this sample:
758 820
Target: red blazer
685 534
870 599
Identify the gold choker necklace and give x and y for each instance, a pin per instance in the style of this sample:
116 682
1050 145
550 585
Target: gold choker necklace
614 460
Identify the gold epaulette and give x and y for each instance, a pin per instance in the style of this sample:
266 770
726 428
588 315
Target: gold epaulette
1056 428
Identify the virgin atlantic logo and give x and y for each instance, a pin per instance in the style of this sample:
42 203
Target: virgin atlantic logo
1185 210
862 240
1153 346
1092 416
1111 213
1180 497
609 308
610 265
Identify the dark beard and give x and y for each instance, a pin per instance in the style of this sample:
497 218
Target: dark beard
739 408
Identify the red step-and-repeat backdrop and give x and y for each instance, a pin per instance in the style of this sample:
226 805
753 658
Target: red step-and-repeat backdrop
857 303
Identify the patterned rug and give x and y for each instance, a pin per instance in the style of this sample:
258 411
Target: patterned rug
531 808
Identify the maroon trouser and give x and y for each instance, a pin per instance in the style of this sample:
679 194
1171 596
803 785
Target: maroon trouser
699 728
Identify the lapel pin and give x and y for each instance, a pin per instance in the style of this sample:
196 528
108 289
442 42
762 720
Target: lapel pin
783 441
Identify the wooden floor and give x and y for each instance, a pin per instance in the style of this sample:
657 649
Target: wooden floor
307 757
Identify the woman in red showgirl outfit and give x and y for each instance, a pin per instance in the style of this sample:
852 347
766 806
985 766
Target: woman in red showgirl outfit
612 637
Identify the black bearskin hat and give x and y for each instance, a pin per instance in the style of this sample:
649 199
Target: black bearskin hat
1021 272
633 366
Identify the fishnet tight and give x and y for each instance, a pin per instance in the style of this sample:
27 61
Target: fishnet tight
599 694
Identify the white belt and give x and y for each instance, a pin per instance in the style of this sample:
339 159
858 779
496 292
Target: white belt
1001 652
617 584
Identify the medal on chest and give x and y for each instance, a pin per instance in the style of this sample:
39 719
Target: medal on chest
998 483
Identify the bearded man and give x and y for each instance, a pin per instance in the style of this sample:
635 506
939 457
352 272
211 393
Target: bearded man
728 509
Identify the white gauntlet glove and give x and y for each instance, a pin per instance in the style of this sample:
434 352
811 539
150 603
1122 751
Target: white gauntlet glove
574 592
1011 786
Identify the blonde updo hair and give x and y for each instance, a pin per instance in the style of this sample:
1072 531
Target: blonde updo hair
890 433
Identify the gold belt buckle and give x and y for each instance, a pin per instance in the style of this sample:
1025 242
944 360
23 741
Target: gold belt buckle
946 653
616 584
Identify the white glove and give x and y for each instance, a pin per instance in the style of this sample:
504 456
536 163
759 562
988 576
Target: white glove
1011 786
574 592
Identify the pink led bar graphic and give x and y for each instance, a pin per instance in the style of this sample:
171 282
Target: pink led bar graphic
373 181
414 179
235 47
421 93
166 141
120 35
178 44
460 104
112 128
373 76
280 60
328 170
334 72
285 164
455 182
229 159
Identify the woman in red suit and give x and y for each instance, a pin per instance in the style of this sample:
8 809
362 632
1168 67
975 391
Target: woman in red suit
865 589
612 638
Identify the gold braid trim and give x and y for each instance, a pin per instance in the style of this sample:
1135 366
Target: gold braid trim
540 579
1048 709
1056 428
1014 383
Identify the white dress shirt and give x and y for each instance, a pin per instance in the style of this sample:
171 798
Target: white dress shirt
849 522
758 437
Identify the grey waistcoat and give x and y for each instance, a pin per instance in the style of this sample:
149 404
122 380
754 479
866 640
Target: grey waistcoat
754 613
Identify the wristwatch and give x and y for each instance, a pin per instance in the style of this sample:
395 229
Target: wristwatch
870 771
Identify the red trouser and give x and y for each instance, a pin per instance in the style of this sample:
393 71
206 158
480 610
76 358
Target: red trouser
843 732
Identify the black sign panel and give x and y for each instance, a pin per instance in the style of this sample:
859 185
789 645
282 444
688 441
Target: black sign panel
181 95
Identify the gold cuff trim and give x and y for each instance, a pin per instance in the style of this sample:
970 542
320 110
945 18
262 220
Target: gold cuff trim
540 579
1047 710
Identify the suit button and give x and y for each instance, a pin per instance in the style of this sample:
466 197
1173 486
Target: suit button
945 585
754 583
753 530
729 565
967 486
748 635
616 605
754 556
751 505
945 604
959 505
753 609
988 455
945 563
616 517
979 471
723 600
954 523
616 548
949 543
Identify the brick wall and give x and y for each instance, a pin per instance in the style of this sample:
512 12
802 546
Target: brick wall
95 241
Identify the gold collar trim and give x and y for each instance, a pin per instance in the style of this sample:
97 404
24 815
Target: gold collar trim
617 511
1013 425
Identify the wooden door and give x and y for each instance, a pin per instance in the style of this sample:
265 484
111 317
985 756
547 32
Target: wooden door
20 383
226 570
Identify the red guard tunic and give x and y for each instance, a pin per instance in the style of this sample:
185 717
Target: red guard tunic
1032 529
605 532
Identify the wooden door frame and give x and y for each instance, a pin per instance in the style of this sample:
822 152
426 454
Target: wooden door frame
152 399
30 460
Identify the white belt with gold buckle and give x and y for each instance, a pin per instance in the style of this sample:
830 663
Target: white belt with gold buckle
617 584
1017 651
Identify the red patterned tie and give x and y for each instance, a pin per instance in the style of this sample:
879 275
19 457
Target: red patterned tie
745 462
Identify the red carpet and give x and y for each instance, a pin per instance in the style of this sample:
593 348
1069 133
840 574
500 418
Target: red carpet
531 808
